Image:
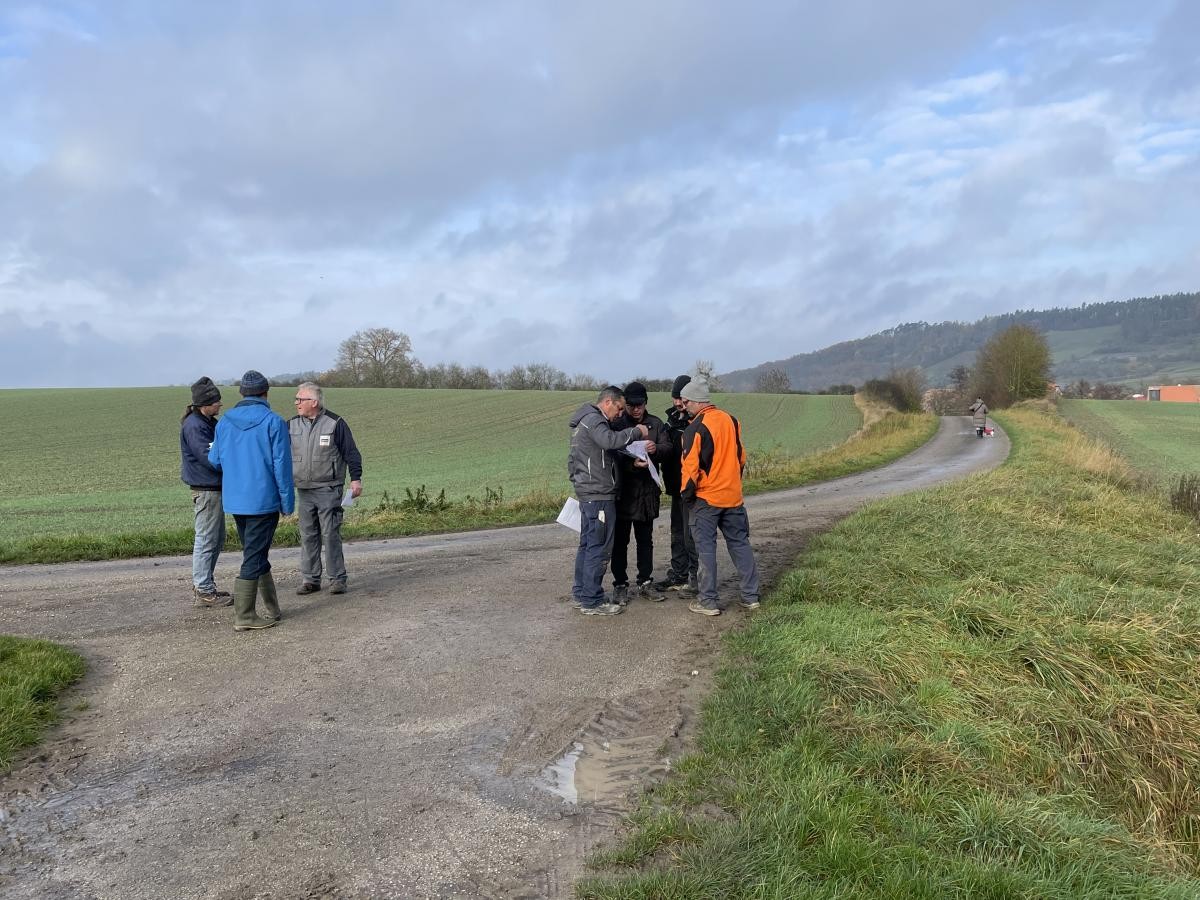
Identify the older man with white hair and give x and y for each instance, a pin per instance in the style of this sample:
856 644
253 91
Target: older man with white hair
323 449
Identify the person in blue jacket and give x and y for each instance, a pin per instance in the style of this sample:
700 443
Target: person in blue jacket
252 451
197 429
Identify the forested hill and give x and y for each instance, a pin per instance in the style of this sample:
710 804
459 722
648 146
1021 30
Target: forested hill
1132 342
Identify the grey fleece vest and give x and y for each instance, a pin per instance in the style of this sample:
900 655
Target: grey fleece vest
316 460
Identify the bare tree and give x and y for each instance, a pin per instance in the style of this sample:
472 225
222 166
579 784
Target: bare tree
773 381
707 369
376 357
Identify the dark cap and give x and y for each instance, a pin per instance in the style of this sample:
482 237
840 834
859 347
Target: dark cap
204 392
254 384
678 385
635 393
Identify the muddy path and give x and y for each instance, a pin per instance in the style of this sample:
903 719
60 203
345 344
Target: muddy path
448 728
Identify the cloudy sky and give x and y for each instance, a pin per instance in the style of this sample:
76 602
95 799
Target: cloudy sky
614 188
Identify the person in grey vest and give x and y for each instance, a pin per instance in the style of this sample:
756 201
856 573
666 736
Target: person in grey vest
323 449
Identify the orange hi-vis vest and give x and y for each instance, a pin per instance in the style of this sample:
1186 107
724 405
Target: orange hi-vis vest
713 459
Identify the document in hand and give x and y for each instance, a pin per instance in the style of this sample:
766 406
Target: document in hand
637 449
570 515
348 500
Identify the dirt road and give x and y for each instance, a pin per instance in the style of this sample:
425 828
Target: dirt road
449 728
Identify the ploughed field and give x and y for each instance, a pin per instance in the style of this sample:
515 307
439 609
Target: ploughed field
106 461
1159 439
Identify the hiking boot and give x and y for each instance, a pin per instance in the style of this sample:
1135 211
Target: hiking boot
245 592
307 588
620 595
748 604
270 598
672 582
697 607
602 609
212 599
338 587
650 592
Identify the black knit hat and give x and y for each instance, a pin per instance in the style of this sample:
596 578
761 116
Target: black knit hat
677 386
635 393
204 392
254 384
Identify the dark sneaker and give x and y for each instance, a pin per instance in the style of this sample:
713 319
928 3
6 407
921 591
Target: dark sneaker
697 607
338 587
692 588
748 604
603 609
213 599
671 583
650 592
307 588
620 594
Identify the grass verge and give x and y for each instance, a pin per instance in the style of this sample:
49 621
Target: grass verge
885 439
32 675
985 690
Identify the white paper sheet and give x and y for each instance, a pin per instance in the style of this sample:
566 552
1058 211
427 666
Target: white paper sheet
348 500
637 449
570 515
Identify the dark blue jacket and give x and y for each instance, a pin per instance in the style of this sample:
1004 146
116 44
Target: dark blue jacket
195 438
252 450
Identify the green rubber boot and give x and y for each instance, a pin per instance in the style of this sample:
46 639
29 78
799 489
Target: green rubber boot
270 599
245 591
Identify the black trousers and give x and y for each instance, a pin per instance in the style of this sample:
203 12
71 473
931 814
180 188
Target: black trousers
644 534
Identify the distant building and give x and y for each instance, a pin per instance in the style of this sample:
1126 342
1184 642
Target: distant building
1178 393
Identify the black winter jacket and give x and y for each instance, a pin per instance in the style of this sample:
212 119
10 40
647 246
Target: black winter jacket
677 423
637 494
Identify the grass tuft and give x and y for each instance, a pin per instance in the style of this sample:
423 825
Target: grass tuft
32 674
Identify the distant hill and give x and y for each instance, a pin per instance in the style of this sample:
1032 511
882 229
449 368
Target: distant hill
1149 340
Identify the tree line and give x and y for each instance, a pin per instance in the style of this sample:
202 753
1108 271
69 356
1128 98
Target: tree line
383 357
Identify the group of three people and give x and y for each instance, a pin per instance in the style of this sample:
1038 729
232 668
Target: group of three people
702 455
255 466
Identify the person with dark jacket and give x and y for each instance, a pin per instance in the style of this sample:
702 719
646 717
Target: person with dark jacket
713 459
593 473
323 449
638 497
196 431
251 450
682 576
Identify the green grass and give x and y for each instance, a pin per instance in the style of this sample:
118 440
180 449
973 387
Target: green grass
98 475
1161 440
32 674
985 690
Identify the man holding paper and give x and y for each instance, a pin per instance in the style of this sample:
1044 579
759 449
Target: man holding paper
322 450
638 497
593 472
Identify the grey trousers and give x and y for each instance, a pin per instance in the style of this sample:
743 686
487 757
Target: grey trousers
320 513
734 526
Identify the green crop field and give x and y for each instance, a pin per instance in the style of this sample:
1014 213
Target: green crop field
106 461
1161 440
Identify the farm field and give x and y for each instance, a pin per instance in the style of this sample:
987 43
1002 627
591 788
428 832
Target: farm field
106 461
1160 440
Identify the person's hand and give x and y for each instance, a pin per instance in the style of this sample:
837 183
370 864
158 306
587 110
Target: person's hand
651 446
641 464
645 432
356 489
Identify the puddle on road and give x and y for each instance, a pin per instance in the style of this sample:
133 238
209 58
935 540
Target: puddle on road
560 774
602 773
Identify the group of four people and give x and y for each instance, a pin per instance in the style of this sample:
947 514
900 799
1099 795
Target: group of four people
255 466
702 456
